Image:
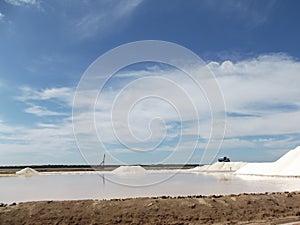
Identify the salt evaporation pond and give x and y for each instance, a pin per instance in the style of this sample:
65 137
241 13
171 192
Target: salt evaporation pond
135 181
72 186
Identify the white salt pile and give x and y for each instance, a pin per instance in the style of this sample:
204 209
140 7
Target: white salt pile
27 172
287 165
220 167
129 171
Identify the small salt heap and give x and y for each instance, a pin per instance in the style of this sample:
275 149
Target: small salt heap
129 171
27 172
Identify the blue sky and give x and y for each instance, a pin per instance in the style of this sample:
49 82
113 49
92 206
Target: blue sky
252 47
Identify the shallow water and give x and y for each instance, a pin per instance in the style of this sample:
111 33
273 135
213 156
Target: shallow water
58 186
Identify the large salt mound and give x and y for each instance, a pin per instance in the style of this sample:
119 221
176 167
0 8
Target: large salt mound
28 172
129 171
287 165
220 167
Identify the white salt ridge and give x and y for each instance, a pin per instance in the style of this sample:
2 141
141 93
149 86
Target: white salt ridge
27 172
287 165
129 171
220 167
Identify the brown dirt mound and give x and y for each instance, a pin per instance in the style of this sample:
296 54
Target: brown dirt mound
268 208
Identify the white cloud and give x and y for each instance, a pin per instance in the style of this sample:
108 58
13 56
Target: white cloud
47 125
104 17
175 87
262 98
22 2
264 87
2 16
48 140
42 111
63 94
6 129
41 144
261 94
40 102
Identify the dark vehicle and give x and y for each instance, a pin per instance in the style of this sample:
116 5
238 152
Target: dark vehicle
224 159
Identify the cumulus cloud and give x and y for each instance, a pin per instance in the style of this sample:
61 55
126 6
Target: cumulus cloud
262 86
149 112
256 91
261 95
262 100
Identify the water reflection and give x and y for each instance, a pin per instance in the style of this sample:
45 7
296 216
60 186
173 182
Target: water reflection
103 178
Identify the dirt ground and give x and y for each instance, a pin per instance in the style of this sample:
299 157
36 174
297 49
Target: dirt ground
268 208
